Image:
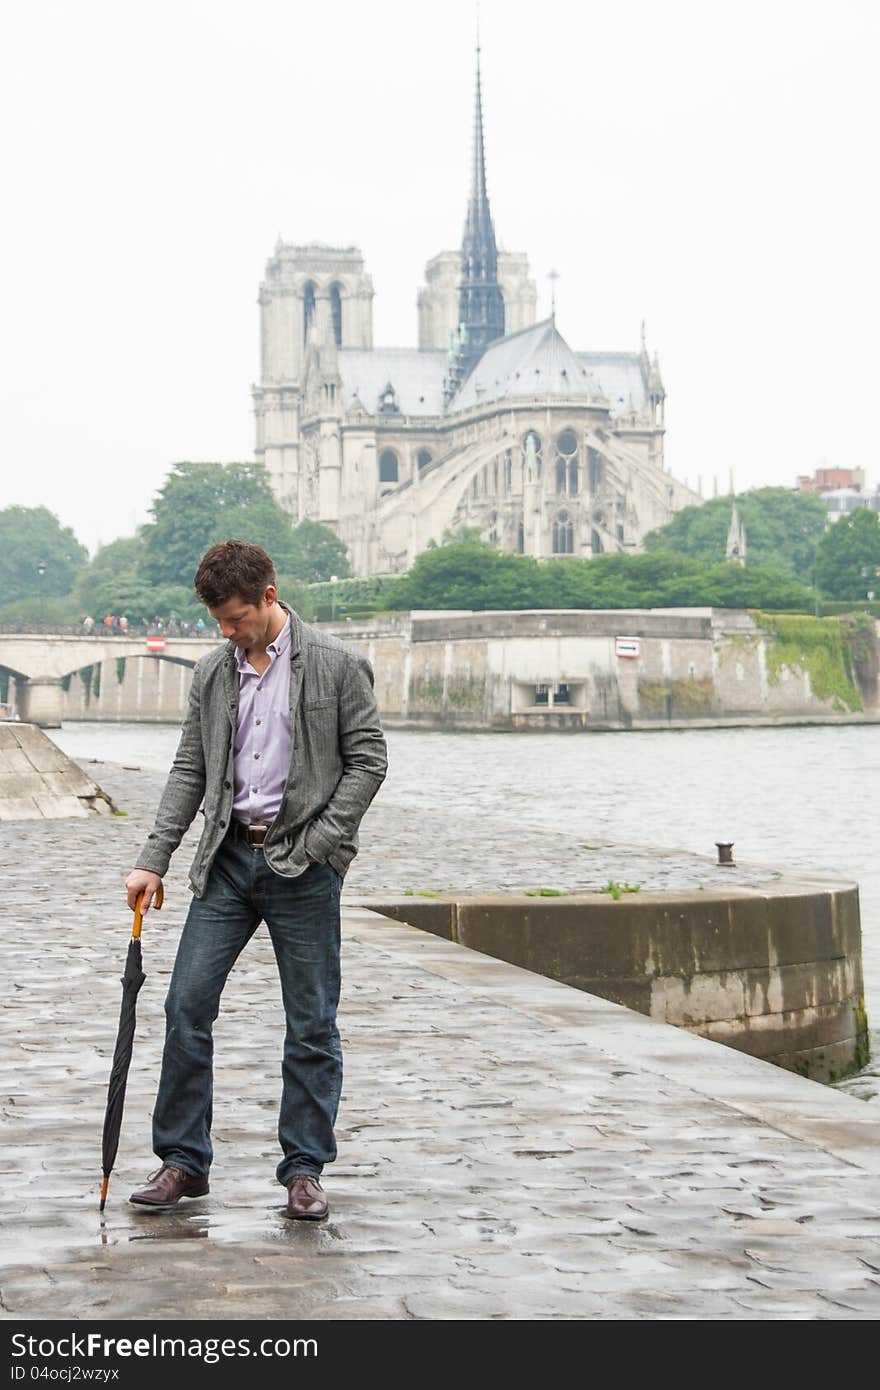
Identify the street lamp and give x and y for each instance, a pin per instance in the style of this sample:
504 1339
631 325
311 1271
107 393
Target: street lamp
41 570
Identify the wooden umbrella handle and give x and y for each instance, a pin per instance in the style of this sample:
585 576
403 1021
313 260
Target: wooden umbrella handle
158 899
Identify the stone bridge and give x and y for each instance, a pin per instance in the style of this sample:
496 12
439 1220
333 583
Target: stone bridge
39 665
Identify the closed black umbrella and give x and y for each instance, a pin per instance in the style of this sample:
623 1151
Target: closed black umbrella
131 983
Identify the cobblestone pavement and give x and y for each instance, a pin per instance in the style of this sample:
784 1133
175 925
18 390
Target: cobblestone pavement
508 1147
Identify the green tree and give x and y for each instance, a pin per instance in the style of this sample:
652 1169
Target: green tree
783 529
469 576
463 535
192 511
298 596
31 537
262 523
116 582
476 577
318 553
848 557
53 612
115 569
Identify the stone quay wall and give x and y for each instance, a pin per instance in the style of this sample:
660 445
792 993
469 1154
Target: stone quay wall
775 971
545 669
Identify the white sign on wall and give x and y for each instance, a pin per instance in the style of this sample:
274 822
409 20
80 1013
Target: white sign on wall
627 646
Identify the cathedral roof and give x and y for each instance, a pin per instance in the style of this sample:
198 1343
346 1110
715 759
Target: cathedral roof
415 374
536 361
619 375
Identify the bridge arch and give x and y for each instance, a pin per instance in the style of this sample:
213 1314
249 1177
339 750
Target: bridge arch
39 684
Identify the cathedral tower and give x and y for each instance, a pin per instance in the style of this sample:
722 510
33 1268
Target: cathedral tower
304 286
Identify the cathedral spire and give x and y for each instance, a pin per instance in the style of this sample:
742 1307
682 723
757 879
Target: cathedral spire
480 303
736 538
479 200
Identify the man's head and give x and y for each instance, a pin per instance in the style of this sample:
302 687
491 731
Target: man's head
236 583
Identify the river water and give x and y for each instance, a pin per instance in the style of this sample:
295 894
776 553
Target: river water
799 797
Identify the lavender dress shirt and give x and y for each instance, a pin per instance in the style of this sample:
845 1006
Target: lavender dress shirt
263 738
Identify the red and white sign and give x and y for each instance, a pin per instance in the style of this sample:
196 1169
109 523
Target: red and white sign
627 646
155 644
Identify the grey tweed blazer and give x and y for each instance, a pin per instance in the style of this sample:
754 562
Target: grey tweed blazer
338 761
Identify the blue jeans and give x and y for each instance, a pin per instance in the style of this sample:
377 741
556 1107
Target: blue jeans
302 915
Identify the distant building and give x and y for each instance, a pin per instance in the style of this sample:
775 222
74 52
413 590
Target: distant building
492 422
831 479
842 500
842 490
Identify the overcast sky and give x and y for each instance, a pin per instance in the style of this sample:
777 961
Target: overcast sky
709 167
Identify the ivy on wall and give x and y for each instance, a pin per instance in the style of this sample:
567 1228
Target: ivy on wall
819 646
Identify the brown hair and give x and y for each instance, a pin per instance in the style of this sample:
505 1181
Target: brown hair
233 568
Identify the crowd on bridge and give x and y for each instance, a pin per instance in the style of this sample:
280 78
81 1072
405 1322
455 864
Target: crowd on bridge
118 625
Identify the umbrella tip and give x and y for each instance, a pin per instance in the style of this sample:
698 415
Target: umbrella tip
104 1185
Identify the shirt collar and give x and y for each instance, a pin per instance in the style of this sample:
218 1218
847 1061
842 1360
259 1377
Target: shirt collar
275 649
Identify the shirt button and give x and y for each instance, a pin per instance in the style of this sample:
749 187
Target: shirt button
256 755
258 721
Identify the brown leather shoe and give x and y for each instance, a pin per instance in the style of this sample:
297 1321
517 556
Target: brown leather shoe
305 1199
167 1185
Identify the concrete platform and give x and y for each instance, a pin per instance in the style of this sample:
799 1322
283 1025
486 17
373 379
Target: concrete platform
39 782
509 1148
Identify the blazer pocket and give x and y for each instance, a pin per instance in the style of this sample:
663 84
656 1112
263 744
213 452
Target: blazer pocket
320 704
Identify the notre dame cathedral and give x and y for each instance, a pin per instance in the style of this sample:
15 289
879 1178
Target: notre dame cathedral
493 421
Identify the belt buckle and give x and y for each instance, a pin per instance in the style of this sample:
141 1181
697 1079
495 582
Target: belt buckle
255 834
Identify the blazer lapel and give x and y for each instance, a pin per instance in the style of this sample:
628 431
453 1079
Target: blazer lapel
231 684
297 669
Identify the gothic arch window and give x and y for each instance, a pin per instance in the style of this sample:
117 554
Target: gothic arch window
387 466
563 535
520 539
595 542
508 472
532 453
594 468
567 462
336 313
424 457
308 307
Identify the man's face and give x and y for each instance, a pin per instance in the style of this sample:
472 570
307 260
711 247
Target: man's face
245 624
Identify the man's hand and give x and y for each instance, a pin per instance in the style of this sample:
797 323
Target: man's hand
141 881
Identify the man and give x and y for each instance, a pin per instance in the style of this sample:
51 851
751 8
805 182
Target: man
283 741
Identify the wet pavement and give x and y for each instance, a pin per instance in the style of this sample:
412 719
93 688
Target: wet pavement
508 1147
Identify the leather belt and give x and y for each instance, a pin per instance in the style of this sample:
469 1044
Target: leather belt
254 834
